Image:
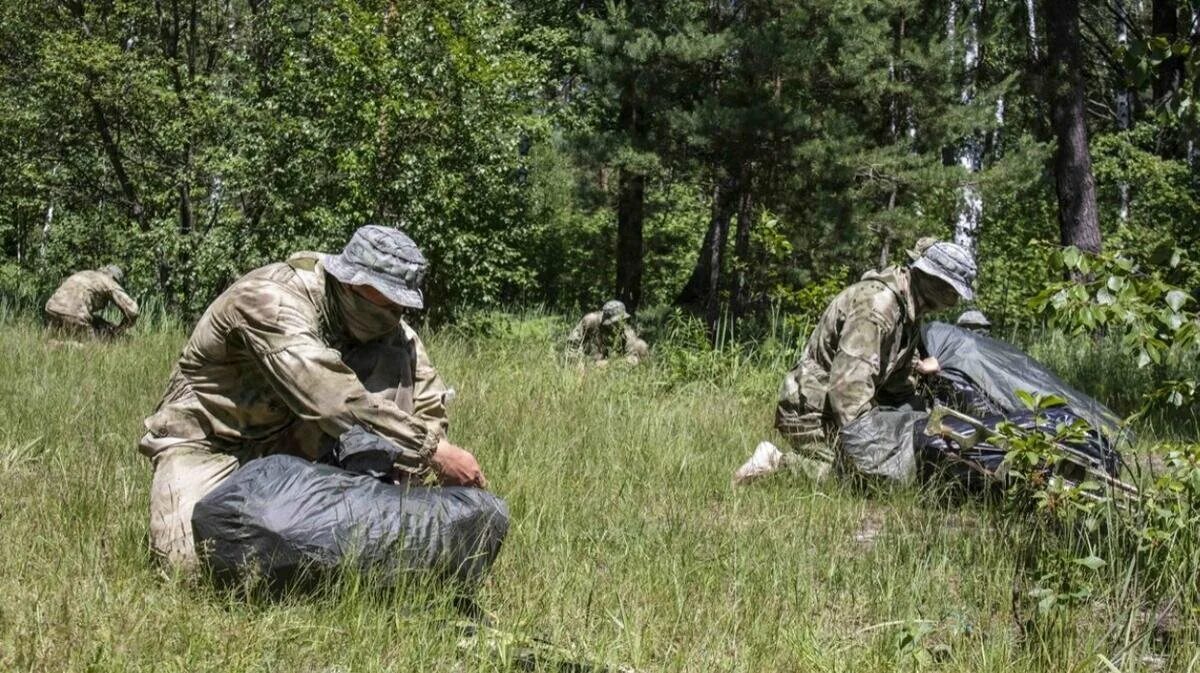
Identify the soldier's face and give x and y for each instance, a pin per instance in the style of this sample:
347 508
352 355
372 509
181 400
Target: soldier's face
936 294
375 297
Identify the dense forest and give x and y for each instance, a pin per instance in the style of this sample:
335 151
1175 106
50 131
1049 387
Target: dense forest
734 157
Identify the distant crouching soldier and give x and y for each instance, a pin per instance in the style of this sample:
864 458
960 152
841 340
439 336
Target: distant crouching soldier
75 306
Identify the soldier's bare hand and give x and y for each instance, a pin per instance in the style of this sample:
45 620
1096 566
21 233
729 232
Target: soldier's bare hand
928 366
456 466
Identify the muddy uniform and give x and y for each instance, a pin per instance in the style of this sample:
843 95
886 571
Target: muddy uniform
77 303
861 354
592 339
270 369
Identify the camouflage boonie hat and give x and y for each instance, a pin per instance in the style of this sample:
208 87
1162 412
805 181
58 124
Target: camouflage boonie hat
613 311
949 262
973 319
114 271
384 258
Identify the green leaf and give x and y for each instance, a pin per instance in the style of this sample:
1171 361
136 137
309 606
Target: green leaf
1093 562
1027 400
1051 401
1071 257
1176 299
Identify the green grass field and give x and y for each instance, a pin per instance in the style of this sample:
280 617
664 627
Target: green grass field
627 542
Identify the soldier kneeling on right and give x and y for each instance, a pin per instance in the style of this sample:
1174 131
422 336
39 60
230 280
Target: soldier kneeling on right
862 354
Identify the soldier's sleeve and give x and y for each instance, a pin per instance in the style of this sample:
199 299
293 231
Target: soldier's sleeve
854 374
125 304
429 391
636 349
576 337
310 377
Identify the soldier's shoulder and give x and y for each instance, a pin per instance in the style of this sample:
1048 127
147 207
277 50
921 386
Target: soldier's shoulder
266 296
592 319
874 296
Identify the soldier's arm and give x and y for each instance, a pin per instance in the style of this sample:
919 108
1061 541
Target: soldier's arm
125 304
854 374
636 349
429 391
317 386
576 337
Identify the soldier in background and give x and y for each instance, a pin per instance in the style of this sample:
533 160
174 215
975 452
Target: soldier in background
76 305
601 335
862 354
975 321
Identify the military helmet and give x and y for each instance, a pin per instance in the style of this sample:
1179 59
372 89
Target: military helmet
973 320
613 311
384 258
114 271
946 261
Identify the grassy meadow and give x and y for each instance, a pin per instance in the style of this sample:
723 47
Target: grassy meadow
627 543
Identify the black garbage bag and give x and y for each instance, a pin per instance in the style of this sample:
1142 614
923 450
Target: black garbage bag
884 442
984 375
285 519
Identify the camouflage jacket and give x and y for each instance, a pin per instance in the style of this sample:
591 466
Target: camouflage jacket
592 339
862 351
86 293
268 369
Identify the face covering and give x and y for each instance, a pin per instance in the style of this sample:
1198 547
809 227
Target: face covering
936 294
363 320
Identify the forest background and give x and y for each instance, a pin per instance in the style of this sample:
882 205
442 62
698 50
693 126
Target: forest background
738 158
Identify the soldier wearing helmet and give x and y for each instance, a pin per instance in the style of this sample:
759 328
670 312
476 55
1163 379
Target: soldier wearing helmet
76 306
600 335
863 353
975 321
289 359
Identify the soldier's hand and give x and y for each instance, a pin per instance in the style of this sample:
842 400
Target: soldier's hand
928 366
456 466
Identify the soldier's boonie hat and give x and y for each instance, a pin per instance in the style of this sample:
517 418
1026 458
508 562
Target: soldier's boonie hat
384 258
950 262
114 271
973 318
613 311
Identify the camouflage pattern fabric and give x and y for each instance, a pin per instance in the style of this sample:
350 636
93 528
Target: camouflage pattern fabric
861 353
270 369
592 339
75 306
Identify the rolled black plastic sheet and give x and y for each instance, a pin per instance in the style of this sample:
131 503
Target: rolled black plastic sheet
284 518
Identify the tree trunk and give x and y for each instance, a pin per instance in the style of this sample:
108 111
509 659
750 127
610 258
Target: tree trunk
701 294
741 242
1078 222
630 216
631 209
1164 21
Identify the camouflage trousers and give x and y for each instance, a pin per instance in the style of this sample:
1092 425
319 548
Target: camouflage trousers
183 474
811 438
78 326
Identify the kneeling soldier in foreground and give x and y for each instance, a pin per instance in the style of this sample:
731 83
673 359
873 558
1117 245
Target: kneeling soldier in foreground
289 358
862 354
75 306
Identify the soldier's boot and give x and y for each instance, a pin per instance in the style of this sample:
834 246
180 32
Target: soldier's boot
767 459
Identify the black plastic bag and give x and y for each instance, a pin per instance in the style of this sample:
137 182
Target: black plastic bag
987 374
285 518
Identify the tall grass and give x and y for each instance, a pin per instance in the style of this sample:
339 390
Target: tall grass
627 542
